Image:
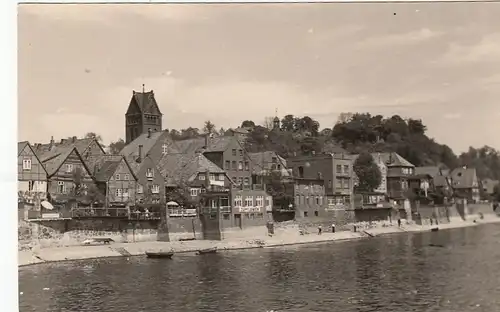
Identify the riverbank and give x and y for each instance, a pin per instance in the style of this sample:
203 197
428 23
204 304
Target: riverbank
284 238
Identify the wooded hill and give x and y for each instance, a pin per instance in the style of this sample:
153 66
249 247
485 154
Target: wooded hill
356 133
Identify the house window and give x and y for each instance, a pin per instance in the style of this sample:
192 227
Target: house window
259 201
240 180
279 167
226 216
224 201
305 214
240 165
247 166
117 177
201 177
297 199
317 200
346 183
329 183
346 168
221 177
301 172
149 173
316 213
118 192
69 168
140 189
238 201
164 149
155 189
125 192
274 160
338 183
241 152
246 181
233 165
234 152
126 177
30 185
321 200
195 191
339 168
212 177
227 165
61 187
331 201
249 201
26 164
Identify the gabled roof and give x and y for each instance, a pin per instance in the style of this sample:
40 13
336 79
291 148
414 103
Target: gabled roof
45 151
22 145
103 167
180 168
53 163
147 141
393 159
146 103
261 159
463 177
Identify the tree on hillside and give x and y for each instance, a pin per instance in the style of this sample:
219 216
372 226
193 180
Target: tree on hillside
368 173
486 160
208 127
115 148
93 135
248 124
279 190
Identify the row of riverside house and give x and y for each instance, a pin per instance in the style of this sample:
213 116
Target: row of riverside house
214 177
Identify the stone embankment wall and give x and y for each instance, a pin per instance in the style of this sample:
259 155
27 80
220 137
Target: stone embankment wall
69 232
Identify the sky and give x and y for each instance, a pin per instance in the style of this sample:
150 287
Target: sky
440 62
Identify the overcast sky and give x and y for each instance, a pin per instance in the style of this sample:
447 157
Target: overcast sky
78 65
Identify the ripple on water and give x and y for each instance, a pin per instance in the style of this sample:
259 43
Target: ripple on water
395 273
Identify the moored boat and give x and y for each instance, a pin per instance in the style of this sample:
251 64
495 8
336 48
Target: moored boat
160 254
207 251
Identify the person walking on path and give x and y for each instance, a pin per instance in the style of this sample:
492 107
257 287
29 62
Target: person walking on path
333 227
319 229
399 222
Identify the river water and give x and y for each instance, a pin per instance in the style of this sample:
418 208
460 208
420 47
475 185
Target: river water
399 273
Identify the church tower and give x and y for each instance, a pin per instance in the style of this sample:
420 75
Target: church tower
276 121
143 115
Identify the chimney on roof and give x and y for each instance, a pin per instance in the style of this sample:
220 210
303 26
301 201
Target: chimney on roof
139 159
207 139
52 140
74 139
149 133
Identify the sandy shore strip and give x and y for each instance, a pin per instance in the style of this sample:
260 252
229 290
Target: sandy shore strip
44 255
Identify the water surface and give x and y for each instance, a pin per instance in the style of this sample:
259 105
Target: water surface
395 273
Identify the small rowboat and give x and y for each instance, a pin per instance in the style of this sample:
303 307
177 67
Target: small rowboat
434 229
207 251
160 254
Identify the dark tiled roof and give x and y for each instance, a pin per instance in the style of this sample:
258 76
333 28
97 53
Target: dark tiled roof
393 159
463 177
190 146
21 146
180 168
146 102
53 163
131 150
260 162
45 151
104 166
436 173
